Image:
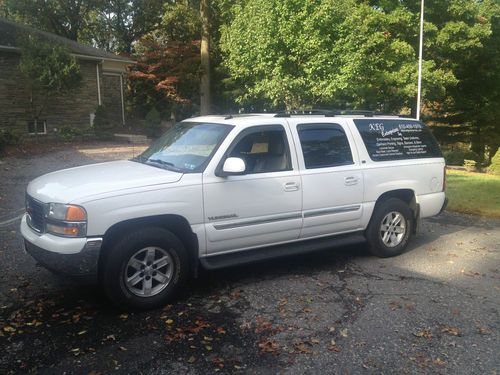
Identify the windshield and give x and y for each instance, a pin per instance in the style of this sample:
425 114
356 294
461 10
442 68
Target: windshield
186 147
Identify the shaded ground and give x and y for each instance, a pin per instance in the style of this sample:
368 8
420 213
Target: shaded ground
432 310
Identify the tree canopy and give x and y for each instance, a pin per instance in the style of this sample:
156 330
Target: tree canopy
276 54
48 69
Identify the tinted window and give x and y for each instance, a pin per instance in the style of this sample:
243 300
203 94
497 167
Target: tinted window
397 139
264 149
324 145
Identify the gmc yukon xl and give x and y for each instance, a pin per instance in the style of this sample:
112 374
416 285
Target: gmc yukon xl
216 191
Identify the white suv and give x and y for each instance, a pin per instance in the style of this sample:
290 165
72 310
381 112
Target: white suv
217 191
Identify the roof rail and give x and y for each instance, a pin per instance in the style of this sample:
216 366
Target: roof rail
325 112
233 115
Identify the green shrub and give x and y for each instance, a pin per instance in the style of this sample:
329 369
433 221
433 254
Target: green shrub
470 165
68 133
494 167
101 120
8 137
458 157
153 123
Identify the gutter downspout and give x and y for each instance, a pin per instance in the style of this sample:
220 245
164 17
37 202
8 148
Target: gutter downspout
98 84
121 95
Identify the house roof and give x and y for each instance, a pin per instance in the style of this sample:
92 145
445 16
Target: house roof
10 31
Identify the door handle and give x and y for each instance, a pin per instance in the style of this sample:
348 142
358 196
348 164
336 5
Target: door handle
291 186
351 180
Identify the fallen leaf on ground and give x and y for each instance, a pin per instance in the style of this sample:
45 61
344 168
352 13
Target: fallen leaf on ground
219 362
439 362
424 333
394 305
334 347
269 346
483 331
9 329
450 330
302 347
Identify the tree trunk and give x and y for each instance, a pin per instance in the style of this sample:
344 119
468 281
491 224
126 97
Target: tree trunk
205 58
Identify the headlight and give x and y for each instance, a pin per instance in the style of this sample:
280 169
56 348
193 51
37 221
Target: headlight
66 220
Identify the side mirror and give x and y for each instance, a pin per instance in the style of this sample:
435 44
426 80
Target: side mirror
233 166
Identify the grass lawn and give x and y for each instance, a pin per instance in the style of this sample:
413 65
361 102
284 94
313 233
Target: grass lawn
473 193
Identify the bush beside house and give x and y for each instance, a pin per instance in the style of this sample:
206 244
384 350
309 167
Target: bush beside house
494 167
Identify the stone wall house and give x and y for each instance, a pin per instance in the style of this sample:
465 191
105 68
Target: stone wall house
102 83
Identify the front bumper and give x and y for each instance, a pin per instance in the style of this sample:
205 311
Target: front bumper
74 257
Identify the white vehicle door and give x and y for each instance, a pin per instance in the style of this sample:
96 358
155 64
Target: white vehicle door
332 181
263 205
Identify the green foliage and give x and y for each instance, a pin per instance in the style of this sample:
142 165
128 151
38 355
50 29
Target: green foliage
110 25
101 120
8 137
347 53
153 120
69 133
458 156
48 68
494 167
62 17
272 54
102 126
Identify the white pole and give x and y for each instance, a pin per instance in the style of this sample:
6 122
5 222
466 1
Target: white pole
420 49
123 104
98 85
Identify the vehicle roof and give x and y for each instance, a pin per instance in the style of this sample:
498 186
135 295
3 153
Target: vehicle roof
245 119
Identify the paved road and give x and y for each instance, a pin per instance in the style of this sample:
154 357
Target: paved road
432 310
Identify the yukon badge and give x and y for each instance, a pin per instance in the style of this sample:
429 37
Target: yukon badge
222 217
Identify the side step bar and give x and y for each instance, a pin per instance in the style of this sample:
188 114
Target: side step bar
295 248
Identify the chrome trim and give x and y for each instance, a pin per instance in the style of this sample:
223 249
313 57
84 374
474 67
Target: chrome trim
330 211
245 223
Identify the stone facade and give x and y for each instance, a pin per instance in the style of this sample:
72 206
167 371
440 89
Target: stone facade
63 110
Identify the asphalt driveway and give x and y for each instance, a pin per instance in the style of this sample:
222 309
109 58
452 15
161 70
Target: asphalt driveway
432 310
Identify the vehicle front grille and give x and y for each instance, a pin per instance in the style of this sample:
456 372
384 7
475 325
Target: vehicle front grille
36 213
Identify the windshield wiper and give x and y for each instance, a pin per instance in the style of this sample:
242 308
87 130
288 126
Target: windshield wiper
163 163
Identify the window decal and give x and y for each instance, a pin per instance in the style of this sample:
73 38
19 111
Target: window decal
397 139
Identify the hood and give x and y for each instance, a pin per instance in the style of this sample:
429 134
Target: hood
80 183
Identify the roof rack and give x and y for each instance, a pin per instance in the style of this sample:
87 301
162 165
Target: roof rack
233 115
326 112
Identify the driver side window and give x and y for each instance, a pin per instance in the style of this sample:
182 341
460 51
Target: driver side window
263 149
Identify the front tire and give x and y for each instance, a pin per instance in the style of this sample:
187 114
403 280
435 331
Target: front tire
145 269
390 228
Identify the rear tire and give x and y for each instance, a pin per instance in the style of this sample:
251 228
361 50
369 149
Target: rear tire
144 269
390 228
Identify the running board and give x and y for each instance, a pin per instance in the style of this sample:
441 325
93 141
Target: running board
294 248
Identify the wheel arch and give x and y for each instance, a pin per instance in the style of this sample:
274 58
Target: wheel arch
406 195
177 224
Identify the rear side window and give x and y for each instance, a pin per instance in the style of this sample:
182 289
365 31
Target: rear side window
397 139
324 145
